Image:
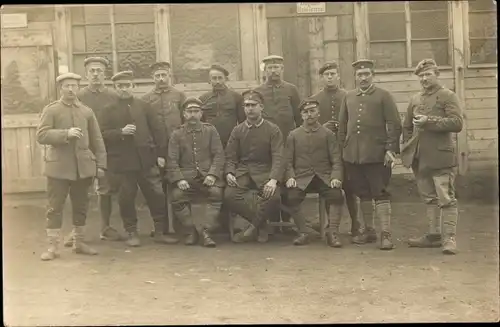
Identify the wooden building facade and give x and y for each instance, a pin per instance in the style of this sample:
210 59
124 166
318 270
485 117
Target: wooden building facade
40 42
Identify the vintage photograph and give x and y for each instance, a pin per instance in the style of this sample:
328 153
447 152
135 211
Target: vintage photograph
250 163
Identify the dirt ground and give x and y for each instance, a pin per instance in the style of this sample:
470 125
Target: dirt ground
250 283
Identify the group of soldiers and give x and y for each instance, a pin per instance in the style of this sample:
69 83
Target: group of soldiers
249 154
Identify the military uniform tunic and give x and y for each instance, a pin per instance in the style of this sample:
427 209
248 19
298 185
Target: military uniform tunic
330 100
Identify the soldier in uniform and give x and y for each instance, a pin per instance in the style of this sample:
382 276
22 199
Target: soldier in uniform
433 115
254 168
97 96
313 164
167 102
136 146
330 98
369 131
75 154
194 168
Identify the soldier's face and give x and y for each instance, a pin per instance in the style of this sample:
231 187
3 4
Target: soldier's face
330 77
124 88
69 88
162 77
364 77
96 73
310 115
192 115
428 78
253 109
217 79
274 71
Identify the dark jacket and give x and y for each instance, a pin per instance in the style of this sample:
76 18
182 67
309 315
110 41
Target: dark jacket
97 99
193 151
330 101
224 110
132 152
76 158
369 125
433 143
281 105
312 152
256 150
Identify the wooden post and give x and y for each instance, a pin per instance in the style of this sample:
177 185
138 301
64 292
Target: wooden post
317 55
459 78
62 40
249 62
162 31
260 25
361 30
408 34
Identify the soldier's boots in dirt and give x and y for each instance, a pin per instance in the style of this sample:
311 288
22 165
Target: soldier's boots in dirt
191 237
108 233
79 247
332 233
386 241
263 233
133 239
383 212
450 220
53 239
368 235
302 239
245 235
427 240
160 237
208 242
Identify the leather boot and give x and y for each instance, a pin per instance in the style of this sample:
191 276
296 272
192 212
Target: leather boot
159 237
303 239
366 208
53 239
427 240
133 239
191 238
371 235
207 239
332 235
69 240
386 241
110 234
450 220
79 246
263 234
333 240
433 238
245 235
383 212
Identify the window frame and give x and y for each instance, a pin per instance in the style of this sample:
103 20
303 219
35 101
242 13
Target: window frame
114 51
408 40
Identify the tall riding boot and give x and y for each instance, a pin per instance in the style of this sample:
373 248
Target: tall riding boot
450 220
79 246
383 212
431 239
332 235
53 238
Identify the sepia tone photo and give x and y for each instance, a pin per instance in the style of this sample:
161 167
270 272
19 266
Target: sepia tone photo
250 163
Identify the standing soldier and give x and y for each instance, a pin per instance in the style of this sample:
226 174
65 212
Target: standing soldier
74 156
167 102
330 98
254 168
195 165
314 164
96 96
136 148
369 131
432 116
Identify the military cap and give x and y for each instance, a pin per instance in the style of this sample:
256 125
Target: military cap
328 65
363 63
125 75
101 60
308 104
192 102
253 95
220 69
424 65
273 59
160 65
62 77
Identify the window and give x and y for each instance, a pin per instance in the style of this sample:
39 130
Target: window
395 27
124 32
482 32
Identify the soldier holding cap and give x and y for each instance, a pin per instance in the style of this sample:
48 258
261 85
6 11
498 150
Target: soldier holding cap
194 168
433 115
222 107
75 154
330 98
136 149
314 164
281 99
369 131
254 168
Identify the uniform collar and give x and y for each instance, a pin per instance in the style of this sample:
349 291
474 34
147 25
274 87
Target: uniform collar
311 129
195 128
162 90
74 104
331 90
370 90
100 89
269 84
256 125
221 91
431 90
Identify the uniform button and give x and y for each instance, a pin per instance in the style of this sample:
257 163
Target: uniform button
360 109
359 132
359 121
362 95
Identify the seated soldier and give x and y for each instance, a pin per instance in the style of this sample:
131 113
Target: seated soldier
254 168
194 167
314 165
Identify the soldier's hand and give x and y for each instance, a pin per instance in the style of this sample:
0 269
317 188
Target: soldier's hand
419 120
335 183
100 173
231 180
269 188
75 133
161 162
389 159
290 183
128 130
209 180
183 185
